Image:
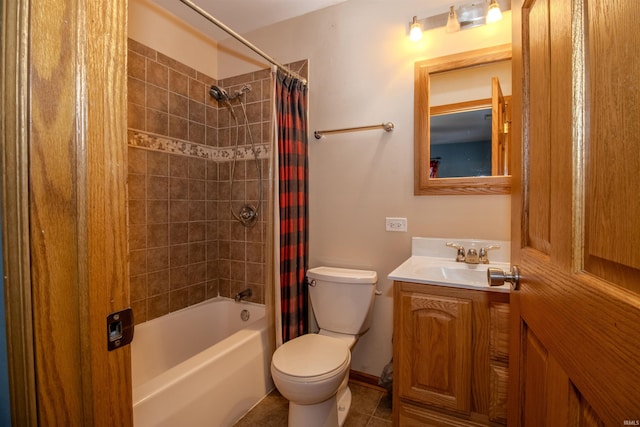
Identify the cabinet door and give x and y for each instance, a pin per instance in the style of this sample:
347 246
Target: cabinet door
435 350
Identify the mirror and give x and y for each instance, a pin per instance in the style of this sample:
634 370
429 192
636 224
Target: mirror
462 116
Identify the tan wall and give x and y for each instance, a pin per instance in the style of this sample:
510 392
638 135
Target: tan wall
151 25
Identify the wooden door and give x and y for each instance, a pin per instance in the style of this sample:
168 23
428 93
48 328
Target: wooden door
499 130
64 210
575 359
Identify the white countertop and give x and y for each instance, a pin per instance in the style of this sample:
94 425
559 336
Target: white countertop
433 263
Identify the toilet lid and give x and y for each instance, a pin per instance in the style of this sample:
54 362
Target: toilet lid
310 355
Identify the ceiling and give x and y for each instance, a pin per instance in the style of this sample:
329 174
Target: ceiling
242 15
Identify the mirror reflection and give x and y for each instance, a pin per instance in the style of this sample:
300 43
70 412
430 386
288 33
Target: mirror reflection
461 125
462 122
461 144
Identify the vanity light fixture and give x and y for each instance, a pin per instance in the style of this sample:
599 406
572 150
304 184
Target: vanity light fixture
460 17
415 34
453 25
494 14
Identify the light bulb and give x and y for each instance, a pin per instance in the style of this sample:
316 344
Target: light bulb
453 25
494 14
416 31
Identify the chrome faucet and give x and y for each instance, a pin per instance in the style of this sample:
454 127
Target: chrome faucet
243 295
472 256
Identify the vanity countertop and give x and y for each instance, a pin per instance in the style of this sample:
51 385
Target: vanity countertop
432 262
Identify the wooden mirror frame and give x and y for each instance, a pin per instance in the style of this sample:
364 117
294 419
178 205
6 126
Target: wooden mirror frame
423 183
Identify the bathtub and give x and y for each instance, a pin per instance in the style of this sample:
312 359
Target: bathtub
200 366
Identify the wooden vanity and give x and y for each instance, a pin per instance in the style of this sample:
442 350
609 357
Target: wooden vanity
450 356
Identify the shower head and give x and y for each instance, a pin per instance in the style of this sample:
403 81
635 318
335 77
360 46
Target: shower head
219 94
222 96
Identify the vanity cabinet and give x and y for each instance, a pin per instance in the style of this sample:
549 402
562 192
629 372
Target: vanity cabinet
450 355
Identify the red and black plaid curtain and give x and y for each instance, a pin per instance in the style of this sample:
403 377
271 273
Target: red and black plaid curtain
291 111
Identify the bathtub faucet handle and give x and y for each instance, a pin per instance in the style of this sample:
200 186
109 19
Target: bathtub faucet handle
243 295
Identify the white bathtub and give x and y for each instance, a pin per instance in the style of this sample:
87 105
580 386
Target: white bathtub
201 366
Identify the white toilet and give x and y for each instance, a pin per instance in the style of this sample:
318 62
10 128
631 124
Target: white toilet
312 370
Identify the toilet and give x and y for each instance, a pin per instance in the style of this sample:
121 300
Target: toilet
312 370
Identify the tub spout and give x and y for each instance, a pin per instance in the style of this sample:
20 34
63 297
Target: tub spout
243 295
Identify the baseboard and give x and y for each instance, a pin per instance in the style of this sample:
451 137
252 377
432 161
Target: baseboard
365 379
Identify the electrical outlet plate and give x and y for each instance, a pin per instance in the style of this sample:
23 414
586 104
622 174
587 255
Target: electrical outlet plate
396 224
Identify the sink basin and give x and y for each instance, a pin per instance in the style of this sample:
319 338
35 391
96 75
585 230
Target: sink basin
455 275
443 271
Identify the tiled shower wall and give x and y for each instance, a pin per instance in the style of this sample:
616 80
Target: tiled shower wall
184 245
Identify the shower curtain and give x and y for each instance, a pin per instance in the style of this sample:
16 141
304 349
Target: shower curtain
292 247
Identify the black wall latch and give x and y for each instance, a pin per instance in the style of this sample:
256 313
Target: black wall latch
119 329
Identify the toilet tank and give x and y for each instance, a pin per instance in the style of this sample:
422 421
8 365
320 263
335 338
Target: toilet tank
342 299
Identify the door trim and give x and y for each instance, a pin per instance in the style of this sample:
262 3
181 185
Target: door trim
15 213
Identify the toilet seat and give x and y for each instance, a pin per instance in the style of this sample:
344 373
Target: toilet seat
311 358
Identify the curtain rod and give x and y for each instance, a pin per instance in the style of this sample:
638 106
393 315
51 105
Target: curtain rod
241 39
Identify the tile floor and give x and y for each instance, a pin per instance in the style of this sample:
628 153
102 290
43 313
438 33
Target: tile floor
370 407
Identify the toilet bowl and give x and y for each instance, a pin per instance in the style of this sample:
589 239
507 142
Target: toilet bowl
308 372
312 370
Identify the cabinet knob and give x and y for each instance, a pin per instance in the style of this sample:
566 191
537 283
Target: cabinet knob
497 277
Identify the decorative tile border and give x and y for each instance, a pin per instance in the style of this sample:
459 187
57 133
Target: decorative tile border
149 141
